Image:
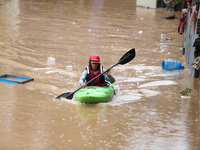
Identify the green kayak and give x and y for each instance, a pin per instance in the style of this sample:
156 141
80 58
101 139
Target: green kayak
95 94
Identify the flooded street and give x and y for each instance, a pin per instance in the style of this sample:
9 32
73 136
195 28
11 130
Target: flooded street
147 112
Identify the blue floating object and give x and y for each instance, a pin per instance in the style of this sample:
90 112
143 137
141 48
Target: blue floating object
4 77
171 65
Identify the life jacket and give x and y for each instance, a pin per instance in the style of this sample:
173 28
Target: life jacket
100 81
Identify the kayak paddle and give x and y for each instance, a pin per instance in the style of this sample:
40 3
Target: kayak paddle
125 59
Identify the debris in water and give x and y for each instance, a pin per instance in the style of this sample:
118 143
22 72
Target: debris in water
163 35
186 93
171 17
168 39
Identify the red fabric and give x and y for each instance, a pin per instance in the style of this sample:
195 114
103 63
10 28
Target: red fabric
97 79
196 13
193 15
191 22
182 24
187 4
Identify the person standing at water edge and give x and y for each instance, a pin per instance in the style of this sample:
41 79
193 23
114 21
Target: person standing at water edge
93 70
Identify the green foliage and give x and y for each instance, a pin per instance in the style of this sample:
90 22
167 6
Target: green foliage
186 92
177 1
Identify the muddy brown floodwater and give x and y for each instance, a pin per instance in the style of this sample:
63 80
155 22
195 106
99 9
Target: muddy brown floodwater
147 113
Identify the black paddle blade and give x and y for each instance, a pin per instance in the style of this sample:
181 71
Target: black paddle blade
127 57
67 95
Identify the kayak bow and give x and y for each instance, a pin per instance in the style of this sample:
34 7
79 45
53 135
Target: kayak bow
95 94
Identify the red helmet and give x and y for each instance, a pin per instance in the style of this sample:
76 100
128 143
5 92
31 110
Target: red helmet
94 58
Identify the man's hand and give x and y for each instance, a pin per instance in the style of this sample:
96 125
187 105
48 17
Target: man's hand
83 84
108 73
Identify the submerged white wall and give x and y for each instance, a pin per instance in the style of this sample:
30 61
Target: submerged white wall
147 3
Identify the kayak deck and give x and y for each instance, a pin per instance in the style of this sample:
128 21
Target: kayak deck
94 94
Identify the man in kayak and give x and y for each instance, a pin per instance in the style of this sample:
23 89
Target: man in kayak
93 70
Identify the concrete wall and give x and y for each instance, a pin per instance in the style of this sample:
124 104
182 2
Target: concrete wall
147 3
188 42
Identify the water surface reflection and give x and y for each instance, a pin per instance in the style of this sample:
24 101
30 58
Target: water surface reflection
146 113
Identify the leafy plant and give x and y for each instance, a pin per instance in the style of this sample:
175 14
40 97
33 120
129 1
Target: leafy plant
186 92
176 1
